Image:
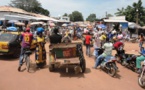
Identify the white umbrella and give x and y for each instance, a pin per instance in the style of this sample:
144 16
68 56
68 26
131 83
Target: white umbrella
36 23
13 21
20 23
64 25
133 25
51 24
83 25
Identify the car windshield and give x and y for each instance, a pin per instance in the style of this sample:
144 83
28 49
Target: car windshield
7 37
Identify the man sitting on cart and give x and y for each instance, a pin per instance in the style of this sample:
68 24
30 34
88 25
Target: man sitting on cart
55 38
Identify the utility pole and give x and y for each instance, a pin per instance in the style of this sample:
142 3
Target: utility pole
106 15
137 21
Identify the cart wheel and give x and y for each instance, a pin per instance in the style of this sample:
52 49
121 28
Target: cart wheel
83 65
51 67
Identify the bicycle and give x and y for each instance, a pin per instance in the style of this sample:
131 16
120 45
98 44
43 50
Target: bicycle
26 58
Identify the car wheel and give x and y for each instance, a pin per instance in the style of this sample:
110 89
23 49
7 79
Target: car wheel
17 53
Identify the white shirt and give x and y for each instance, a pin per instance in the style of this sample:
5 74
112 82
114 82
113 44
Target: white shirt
108 49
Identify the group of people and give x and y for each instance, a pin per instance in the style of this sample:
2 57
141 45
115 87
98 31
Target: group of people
101 39
40 53
108 41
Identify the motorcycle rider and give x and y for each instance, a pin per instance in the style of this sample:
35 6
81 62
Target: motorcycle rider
139 59
118 45
108 47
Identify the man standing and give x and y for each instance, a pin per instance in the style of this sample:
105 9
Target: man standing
87 42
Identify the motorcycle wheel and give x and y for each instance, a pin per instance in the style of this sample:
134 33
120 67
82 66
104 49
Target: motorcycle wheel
140 81
112 71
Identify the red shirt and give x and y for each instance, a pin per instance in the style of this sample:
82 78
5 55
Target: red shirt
88 39
26 39
117 44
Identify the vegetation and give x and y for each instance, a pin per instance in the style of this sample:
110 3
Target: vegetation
30 6
91 18
131 13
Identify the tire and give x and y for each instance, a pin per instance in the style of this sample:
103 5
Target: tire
27 63
140 82
51 67
83 65
112 71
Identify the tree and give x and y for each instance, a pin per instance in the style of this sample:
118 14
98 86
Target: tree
77 16
30 6
120 12
71 17
91 18
109 15
65 14
131 13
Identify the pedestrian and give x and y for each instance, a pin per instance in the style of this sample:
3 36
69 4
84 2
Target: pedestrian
40 52
97 44
103 39
141 40
88 40
26 39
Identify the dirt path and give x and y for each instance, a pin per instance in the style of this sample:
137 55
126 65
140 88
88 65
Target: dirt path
92 79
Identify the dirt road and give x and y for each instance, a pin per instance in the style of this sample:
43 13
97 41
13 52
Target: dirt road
92 79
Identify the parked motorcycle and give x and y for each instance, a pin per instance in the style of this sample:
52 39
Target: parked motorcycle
109 65
141 78
127 60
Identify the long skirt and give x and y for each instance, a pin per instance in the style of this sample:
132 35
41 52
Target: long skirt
40 55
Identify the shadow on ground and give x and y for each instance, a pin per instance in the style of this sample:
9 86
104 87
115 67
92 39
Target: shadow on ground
8 58
71 72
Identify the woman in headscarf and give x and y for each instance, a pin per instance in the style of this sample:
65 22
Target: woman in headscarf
40 53
141 40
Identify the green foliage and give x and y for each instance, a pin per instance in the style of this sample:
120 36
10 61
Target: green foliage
65 14
76 16
30 6
91 18
71 17
131 13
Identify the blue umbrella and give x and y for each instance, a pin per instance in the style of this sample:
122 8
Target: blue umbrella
102 26
12 28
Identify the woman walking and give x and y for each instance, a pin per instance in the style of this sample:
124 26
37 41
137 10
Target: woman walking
40 53
141 40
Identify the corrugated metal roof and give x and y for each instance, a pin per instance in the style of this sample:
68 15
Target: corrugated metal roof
13 9
18 10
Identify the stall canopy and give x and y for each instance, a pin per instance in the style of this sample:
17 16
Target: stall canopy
117 19
16 17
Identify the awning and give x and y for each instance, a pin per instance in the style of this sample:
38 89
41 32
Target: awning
16 17
113 21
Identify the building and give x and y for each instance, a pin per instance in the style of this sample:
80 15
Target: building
119 20
11 13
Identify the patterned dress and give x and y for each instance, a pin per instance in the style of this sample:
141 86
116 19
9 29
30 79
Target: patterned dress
40 53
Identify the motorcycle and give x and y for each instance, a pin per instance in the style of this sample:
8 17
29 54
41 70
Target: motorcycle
127 60
141 78
120 55
130 62
108 64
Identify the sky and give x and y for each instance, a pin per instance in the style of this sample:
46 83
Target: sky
86 7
